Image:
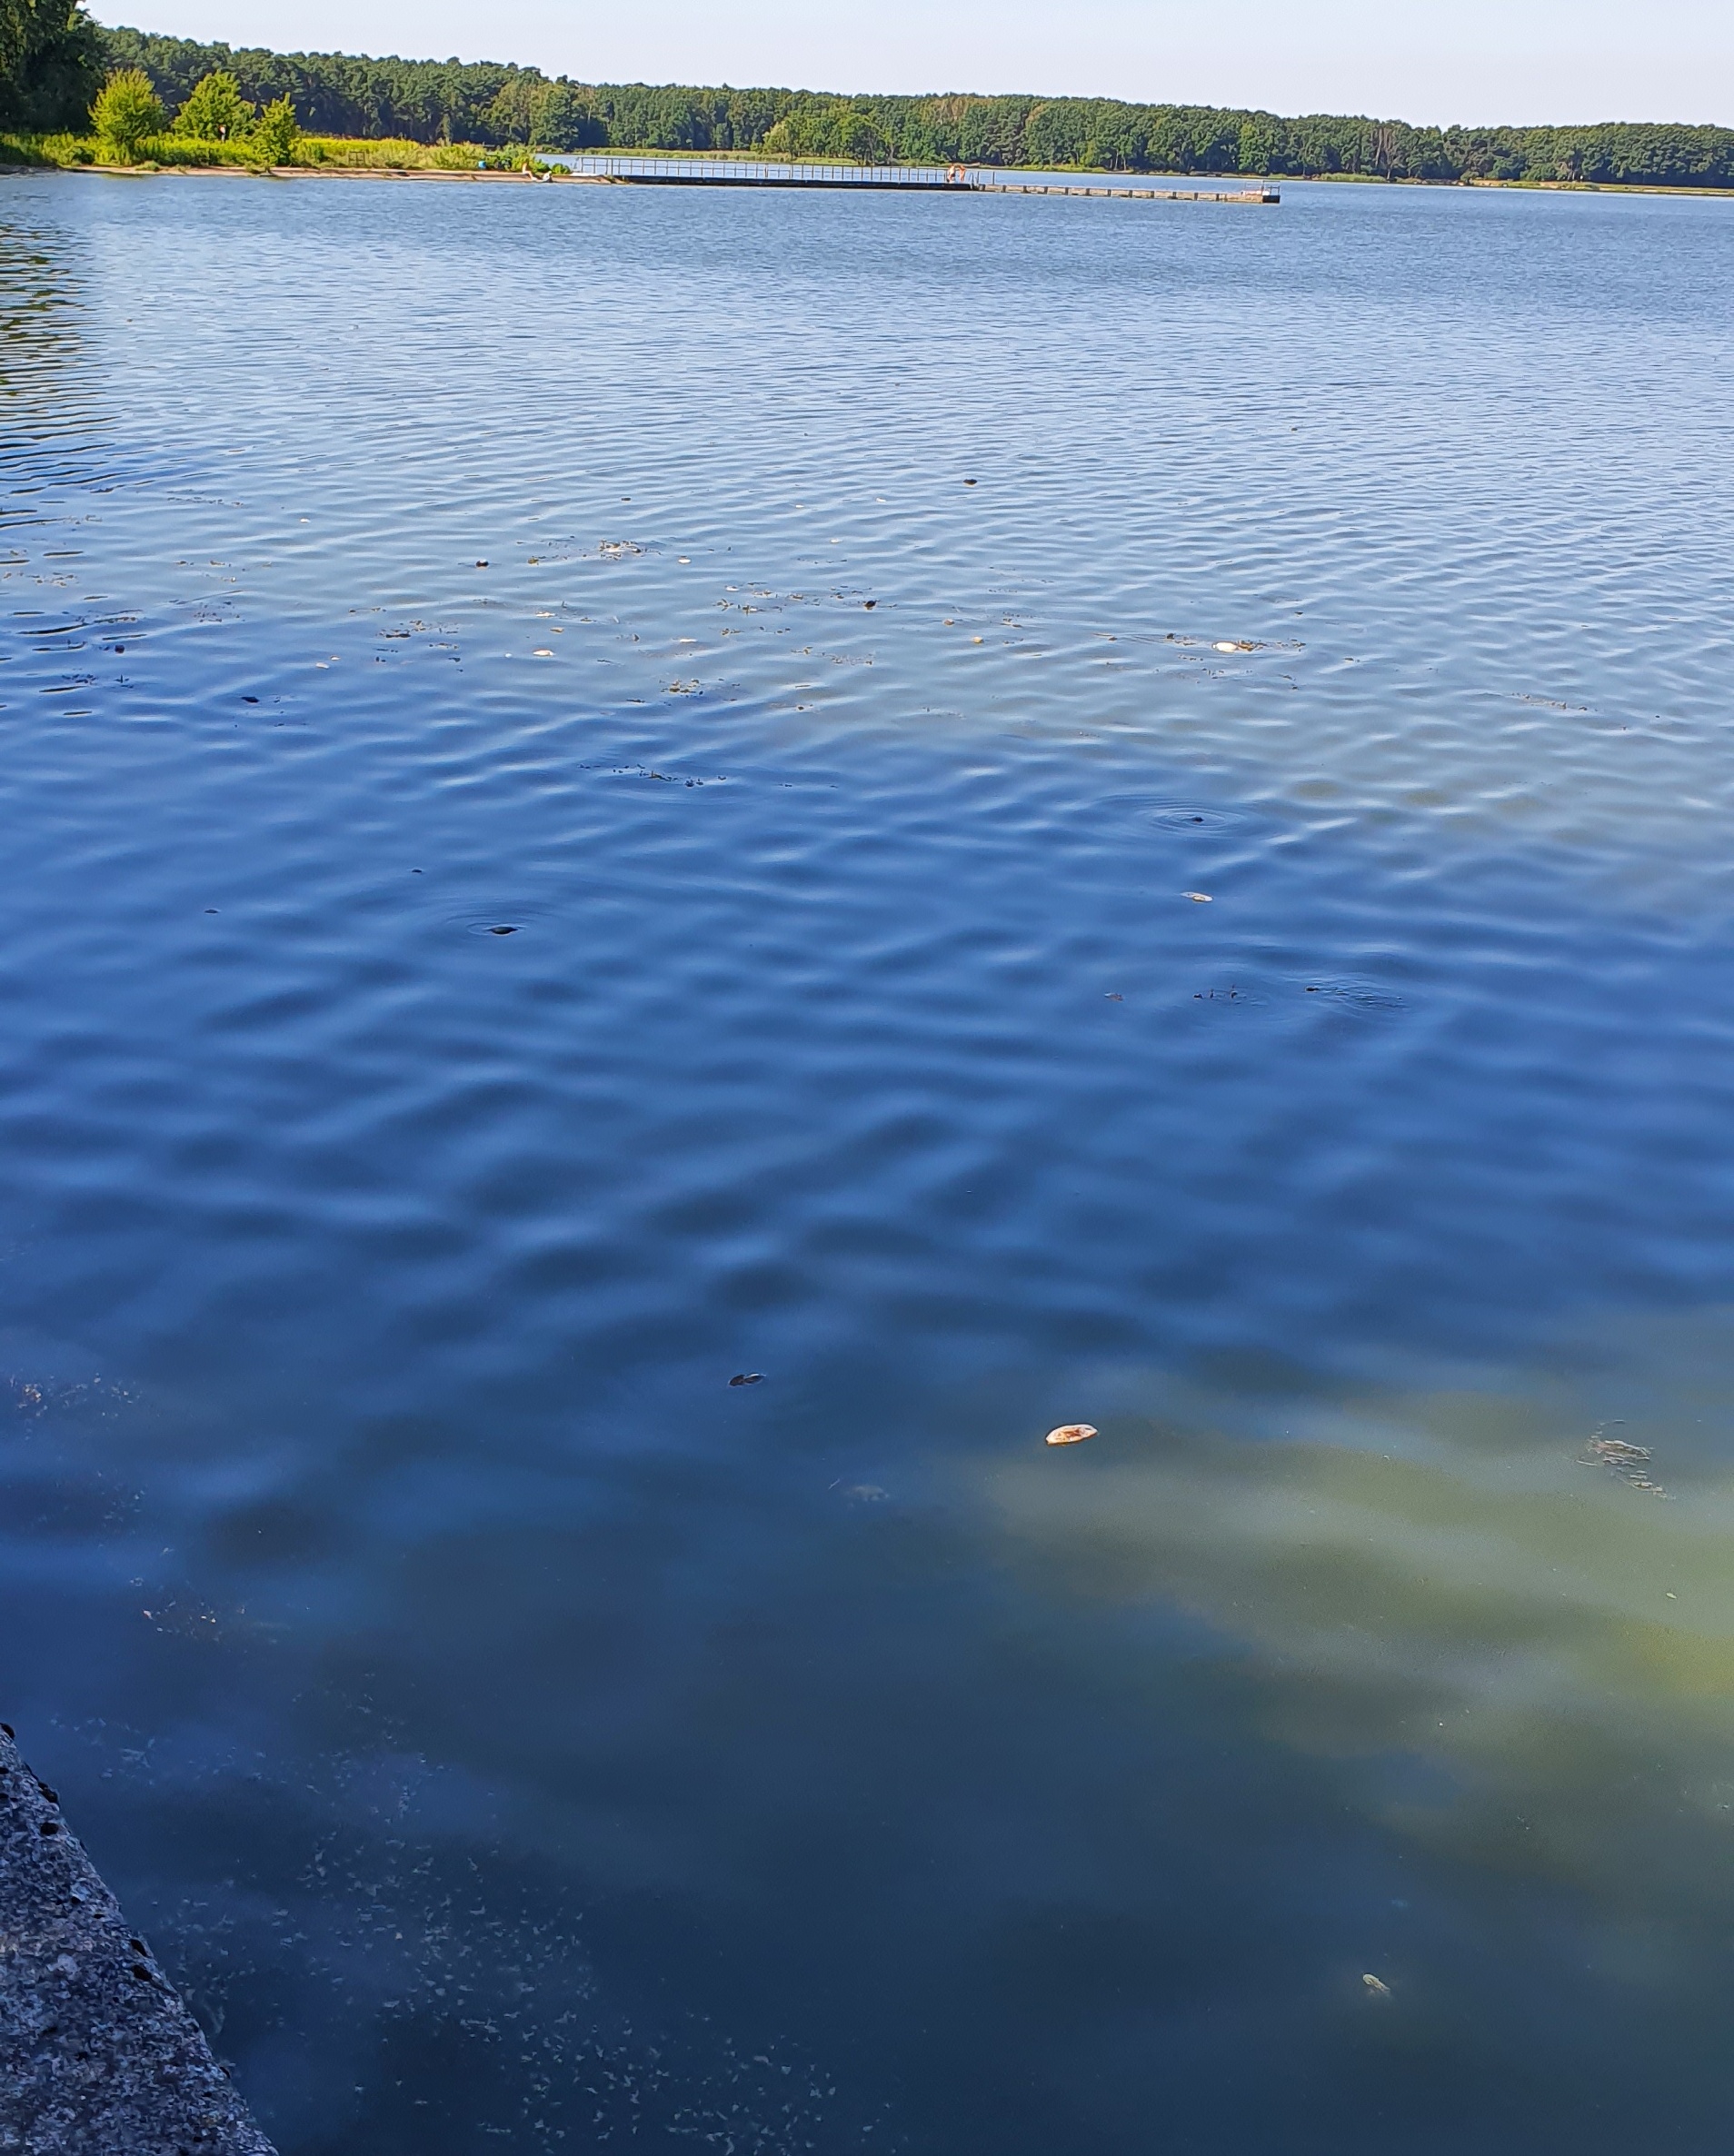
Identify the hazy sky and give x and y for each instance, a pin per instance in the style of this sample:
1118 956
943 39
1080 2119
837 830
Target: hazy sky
1427 60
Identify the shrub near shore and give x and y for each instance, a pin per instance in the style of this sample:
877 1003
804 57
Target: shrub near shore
314 151
216 126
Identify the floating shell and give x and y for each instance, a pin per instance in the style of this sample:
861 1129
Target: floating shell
1072 1433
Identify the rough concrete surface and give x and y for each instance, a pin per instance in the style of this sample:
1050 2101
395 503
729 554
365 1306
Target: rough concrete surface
98 2055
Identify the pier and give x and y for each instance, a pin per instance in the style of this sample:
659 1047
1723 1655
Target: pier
925 179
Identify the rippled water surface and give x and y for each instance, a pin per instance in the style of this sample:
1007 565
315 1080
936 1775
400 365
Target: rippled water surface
989 812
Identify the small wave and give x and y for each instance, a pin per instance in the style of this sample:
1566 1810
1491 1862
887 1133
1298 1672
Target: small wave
1156 812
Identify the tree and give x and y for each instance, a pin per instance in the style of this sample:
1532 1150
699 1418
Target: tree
860 137
51 63
214 111
128 113
558 118
1382 147
275 133
510 116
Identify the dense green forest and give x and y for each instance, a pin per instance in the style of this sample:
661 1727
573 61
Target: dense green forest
434 99
52 59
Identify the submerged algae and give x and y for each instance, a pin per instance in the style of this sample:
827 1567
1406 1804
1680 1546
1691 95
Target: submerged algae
1431 1577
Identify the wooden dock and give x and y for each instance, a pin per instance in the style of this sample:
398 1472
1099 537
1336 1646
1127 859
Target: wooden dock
1132 194
909 179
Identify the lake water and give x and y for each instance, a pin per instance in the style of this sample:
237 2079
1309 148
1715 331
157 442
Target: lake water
1106 810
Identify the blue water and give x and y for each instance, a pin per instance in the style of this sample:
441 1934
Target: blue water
834 636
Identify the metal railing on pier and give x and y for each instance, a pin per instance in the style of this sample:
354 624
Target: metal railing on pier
753 171
956 179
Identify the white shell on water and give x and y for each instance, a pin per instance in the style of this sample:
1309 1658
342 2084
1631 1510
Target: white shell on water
1072 1433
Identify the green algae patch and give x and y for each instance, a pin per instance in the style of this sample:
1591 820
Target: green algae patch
1459 1577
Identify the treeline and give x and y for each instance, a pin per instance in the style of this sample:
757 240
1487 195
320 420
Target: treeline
441 101
432 100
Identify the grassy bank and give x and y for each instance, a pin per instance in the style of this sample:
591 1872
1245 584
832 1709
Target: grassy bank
67 152
360 154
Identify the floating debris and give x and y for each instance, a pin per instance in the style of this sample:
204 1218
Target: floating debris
1628 1462
1378 1988
510 919
1160 813
747 1378
1199 898
1072 1433
1366 997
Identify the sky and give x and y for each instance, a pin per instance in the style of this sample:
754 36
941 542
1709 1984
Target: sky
1429 61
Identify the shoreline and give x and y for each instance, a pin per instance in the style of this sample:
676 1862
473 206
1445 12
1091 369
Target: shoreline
1004 177
303 172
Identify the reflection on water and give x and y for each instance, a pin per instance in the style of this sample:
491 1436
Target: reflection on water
558 856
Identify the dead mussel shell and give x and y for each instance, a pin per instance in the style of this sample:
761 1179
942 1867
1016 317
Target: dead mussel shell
1072 1433
747 1378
